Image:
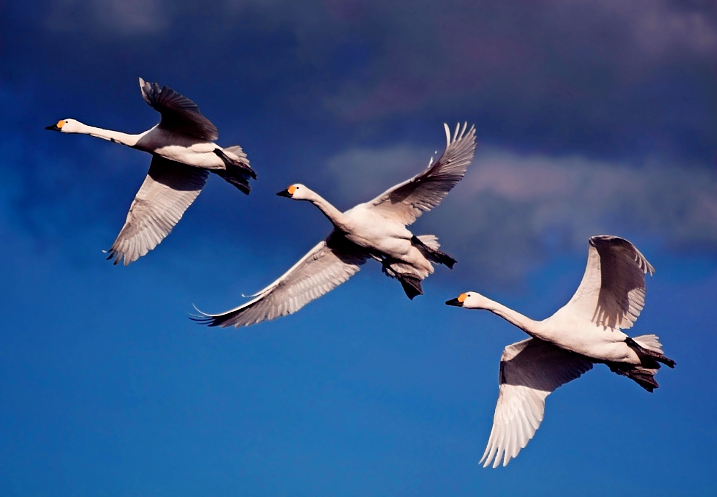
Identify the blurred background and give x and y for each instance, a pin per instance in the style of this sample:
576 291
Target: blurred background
592 117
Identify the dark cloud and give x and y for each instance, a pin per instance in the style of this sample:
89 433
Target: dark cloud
599 116
609 79
559 74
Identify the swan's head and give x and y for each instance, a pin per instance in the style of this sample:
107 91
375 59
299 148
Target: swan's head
469 300
66 126
296 191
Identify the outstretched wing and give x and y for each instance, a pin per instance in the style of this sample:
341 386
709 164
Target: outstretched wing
530 370
179 114
407 201
168 190
326 266
612 291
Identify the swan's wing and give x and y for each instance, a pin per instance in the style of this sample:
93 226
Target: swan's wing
179 114
612 291
529 371
169 188
326 266
408 200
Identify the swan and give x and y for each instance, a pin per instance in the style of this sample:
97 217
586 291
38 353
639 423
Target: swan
585 331
375 229
183 153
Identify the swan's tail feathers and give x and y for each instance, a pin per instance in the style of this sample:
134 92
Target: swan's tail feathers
410 281
649 348
645 377
429 245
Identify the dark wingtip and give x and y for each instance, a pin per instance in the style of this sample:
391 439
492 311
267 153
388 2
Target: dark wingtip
203 320
113 254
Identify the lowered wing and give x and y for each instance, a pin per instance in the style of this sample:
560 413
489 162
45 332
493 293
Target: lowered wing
326 266
167 191
530 370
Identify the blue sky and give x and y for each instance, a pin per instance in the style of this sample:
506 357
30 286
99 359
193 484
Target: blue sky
592 117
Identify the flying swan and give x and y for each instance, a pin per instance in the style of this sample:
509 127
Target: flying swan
183 152
375 229
585 331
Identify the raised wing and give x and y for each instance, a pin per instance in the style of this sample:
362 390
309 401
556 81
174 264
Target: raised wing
168 190
326 266
529 371
179 114
407 201
612 291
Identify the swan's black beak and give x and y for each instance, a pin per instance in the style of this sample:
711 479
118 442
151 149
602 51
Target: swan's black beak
284 193
454 302
53 127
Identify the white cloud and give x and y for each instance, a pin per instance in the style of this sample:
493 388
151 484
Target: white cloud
676 203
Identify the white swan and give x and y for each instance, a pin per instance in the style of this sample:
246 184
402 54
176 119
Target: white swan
183 152
567 344
375 229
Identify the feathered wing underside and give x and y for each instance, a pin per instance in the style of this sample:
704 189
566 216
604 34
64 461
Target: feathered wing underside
167 191
326 266
529 371
179 114
612 291
407 201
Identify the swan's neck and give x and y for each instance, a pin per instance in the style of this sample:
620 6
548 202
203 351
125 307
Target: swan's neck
332 213
113 136
514 317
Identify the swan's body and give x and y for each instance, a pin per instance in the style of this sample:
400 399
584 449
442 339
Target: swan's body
183 152
375 229
585 331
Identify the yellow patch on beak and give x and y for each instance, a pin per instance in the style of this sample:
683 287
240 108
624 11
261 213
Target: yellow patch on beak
60 124
291 189
462 297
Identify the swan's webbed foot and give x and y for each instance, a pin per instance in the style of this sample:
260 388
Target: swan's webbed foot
234 167
411 283
644 352
435 254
